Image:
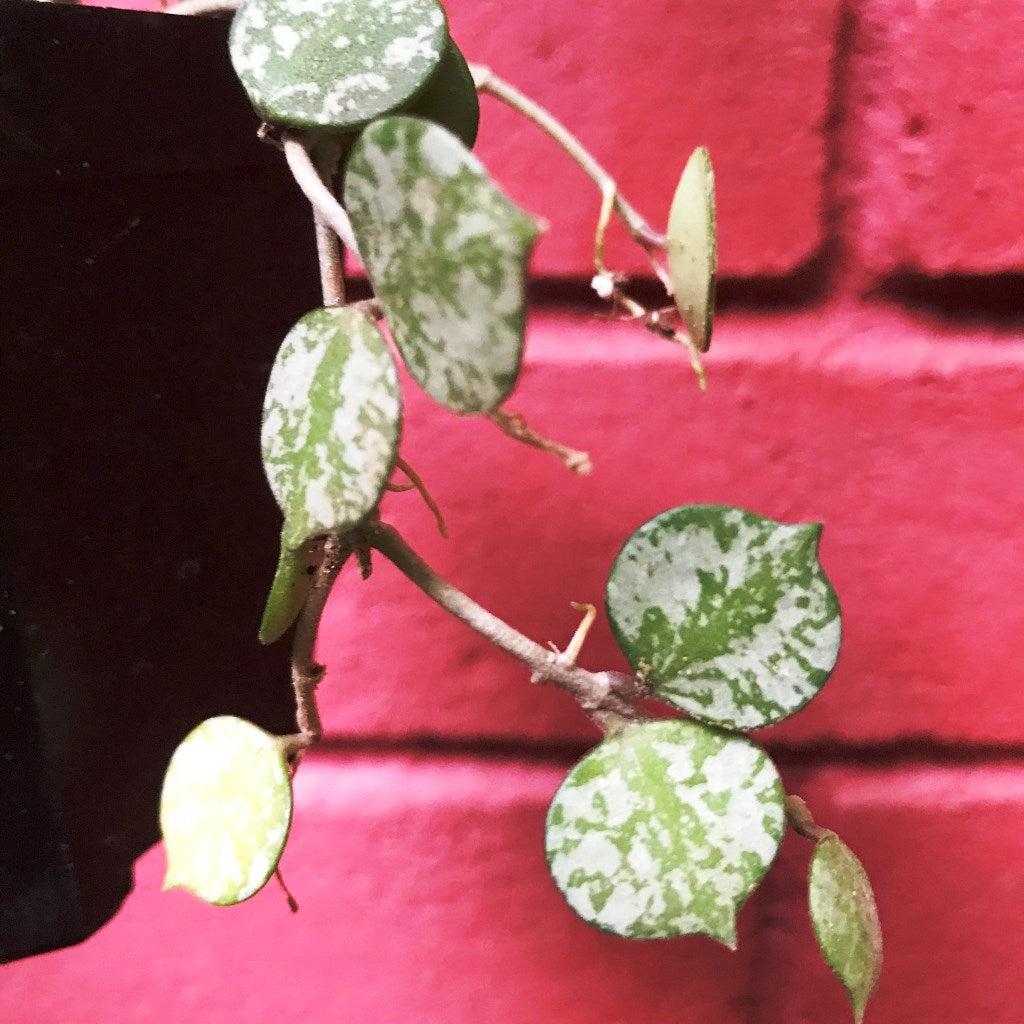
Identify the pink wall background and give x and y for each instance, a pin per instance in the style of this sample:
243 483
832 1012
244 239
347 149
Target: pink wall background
867 371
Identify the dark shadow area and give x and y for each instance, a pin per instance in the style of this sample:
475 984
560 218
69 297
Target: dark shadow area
156 257
993 300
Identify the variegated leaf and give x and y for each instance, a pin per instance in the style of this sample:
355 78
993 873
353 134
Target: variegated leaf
292 583
664 830
334 64
730 614
692 250
450 97
445 251
331 423
225 810
845 920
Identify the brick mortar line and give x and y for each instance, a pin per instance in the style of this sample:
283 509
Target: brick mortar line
884 755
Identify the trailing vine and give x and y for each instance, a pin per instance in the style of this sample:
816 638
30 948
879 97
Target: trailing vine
667 826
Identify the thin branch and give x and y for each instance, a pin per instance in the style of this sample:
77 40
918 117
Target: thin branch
572 652
801 821
321 198
488 82
306 672
200 7
332 272
597 692
515 426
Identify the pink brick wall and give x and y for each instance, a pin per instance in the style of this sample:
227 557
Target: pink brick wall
868 151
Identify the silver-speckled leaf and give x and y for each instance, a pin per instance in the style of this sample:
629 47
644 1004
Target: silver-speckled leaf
664 830
692 249
845 920
293 581
445 251
225 810
450 98
731 613
331 423
334 64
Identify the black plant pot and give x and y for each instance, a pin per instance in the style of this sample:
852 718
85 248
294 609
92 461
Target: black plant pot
154 254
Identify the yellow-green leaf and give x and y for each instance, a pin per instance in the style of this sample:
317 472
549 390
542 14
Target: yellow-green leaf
225 810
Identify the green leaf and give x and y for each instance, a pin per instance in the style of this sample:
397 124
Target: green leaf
730 613
225 810
692 250
334 64
845 920
331 423
450 98
292 583
445 251
664 830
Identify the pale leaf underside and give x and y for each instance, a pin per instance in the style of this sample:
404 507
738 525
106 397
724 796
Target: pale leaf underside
845 920
225 810
692 249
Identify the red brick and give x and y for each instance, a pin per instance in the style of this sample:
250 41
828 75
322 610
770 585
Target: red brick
943 848
642 86
937 135
424 898
905 442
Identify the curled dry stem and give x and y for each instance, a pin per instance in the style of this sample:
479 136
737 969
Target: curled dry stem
598 693
489 83
515 426
801 821
416 482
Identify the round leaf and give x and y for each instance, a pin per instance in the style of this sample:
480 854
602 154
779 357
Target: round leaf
730 613
692 250
450 97
445 251
292 583
334 64
664 830
331 423
225 810
845 920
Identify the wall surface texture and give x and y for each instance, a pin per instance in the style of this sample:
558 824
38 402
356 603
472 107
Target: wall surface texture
867 371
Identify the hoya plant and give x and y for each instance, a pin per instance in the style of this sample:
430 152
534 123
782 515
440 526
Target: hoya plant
669 824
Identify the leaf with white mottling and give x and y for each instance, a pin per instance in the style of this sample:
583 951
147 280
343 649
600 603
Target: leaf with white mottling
730 613
225 810
335 64
331 423
450 98
845 920
293 581
445 251
664 830
692 250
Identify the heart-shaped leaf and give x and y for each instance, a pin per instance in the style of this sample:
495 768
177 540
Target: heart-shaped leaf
331 423
730 614
450 97
845 920
664 830
225 810
692 250
445 251
334 64
292 583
